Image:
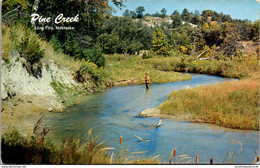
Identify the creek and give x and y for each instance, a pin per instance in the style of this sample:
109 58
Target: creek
115 112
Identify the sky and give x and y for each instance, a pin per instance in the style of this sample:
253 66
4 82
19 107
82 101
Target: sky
237 9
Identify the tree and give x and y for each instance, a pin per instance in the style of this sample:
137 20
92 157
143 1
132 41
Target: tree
195 20
226 18
126 13
254 33
147 14
197 13
123 35
139 11
160 44
163 11
176 12
157 14
207 13
176 20
182 36
16 10
185 15
109 42
133 14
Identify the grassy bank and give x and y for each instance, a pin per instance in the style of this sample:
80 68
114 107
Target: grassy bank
230 104
236 67
163 69
89 76
36 149
120 68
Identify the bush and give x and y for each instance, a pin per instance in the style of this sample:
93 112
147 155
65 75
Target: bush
29 48
56 43
95 55
147 55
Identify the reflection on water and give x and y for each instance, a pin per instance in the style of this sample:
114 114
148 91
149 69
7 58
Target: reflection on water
115 112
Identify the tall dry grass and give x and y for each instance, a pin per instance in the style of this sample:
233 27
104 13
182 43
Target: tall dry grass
230 104
35 148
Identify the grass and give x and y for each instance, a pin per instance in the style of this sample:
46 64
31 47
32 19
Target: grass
68 95
122 68
230 104
235 67
36 149
232 68
163 69
12 35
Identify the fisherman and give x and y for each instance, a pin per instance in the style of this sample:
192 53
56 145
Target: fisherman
147 81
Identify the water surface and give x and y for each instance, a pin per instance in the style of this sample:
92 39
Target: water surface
115 111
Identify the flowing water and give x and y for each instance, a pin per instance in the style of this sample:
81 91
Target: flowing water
114 112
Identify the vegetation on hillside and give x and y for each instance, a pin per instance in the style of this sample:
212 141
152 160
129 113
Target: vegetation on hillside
206 35
208 42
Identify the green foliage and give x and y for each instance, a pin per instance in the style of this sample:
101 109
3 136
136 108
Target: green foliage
18 149
176 20
122 35
163 11
21 14
147 55
255 31
58 46
126 13
160 44
68 95
185 15
95 55
139 11
71 47
109 42
157 14
181 36
29 48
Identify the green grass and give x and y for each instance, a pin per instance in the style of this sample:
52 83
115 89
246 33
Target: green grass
67 95
121 67
230 104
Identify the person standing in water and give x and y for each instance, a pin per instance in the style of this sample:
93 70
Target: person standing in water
147 81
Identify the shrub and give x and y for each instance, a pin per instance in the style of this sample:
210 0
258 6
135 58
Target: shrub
95 55
29 48
147 55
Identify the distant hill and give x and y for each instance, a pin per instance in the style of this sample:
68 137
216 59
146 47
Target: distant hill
151 21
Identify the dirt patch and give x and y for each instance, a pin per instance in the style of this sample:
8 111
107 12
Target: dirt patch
20 114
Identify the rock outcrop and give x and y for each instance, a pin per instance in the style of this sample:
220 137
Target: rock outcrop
18 83
150 112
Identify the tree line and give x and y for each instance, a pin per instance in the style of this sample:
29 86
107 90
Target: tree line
193 33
